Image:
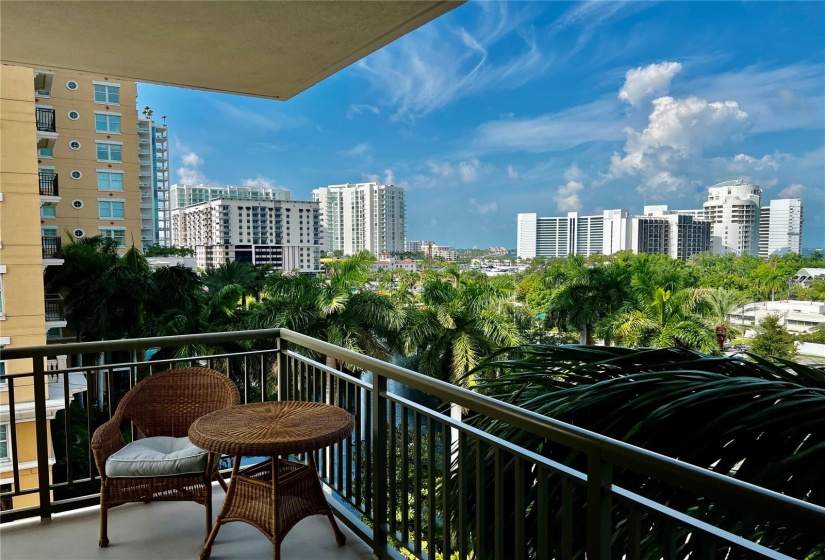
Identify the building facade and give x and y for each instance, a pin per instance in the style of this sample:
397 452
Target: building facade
733 211
363 217
660 231
559 236
780 227
283 233
181 195
153 175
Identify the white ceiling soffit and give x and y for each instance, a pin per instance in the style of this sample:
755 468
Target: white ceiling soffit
273 49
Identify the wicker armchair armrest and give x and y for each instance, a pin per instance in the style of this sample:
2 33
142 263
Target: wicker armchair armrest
106 440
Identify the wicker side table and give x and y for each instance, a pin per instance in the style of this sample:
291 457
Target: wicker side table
275 494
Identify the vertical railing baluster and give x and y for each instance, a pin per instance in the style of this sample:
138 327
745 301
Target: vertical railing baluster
566 519
42 437
379 459
368 456
480 546
520 509
245 379
543 522
348 447
669 540
634 533
262 386
431 498
499 515
446 486
463 522
599 505
417 460
403 456
283 364
67 429
392 467
359 449
15 465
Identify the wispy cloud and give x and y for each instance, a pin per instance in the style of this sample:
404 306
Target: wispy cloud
261 182
483 209
257 116
189 172
357 109
600 120
439 64
467 171
361 149
567 196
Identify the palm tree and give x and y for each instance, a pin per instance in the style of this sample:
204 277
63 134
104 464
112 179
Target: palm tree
660 317
721 303
760 422
234 273
458 324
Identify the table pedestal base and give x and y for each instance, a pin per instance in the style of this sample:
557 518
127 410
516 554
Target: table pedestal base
273 496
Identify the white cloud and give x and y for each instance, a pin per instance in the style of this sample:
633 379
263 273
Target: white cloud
792 191
567 195
189 173
259 116
483 209
357 109
511 172
642 83
358 150
598 120
259 181
439 64
467 171
388 179
677 132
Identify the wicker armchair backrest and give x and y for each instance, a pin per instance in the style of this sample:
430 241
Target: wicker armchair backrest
166 403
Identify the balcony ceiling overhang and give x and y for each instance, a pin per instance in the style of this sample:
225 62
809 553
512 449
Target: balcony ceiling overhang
266 48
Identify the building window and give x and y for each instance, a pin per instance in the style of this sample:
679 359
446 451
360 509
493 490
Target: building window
71 84
118 235
107 123
110 209
109 181
3 374
107 94
75 174
2 305
4 442
74 115
77 204
78 233
48 212
74 145
107 151
45 152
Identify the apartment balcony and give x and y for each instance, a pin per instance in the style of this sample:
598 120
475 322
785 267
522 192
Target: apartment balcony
44 119
55 312
43 83
52 249
410 478
49 192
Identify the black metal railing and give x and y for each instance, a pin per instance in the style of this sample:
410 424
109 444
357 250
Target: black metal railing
48 184
44 119
54 308
412 476
52 248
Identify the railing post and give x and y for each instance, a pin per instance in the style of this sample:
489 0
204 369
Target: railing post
379 462
599 507
41 437
283 364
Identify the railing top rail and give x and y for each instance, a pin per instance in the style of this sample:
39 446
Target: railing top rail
805 515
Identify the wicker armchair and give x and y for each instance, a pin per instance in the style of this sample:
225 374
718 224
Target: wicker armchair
164 404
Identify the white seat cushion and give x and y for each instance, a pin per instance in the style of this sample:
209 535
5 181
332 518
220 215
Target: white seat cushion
157 456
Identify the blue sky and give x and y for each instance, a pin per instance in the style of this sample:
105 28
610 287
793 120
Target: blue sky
547 107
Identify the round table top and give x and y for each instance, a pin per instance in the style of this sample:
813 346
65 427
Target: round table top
271 428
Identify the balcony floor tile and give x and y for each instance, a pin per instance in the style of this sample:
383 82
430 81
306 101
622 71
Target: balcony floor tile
171 530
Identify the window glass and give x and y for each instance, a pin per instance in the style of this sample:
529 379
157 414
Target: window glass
110 209
45 152
109 181
4 442
107 123
107 94
47 212
117 234
109 152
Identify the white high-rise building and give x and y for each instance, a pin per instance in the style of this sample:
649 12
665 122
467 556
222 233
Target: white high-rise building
181 195
733 211
284 233
153 175
526 236
559 236
362 216
660 231
780 227
617 224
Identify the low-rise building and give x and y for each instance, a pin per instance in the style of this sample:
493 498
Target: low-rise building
392 264
796 316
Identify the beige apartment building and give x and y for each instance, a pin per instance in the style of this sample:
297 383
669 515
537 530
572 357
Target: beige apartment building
68 169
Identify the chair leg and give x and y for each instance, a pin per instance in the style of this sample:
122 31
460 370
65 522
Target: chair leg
104 521
208 505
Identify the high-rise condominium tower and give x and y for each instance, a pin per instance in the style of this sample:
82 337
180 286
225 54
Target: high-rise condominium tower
733 211
780 227
362 216
153 156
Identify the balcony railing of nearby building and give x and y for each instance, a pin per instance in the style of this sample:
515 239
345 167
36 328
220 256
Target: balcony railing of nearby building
52 248
48 184
410 477
54 308
45 119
